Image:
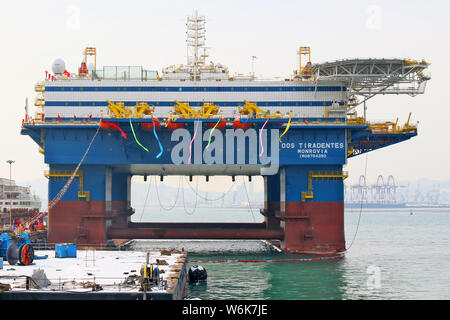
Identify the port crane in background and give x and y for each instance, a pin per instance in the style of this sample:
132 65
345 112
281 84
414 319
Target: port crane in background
385 192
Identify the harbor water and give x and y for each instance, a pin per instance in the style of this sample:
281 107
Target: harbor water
392 254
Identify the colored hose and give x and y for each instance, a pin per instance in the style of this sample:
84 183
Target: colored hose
210 134
190 146
115 126
157 139
135 138
260 138
287 127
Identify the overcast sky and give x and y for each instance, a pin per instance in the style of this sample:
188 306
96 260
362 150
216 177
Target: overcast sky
152 34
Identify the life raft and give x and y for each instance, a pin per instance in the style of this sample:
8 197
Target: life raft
149 125
222 124
237 124
107 126
175 125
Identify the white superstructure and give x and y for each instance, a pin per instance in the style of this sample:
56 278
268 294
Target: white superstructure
18 198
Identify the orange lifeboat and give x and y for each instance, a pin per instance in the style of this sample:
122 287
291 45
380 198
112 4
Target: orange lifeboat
149 125
222 124
237 124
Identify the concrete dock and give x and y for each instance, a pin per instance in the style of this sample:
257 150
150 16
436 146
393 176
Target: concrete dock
95 275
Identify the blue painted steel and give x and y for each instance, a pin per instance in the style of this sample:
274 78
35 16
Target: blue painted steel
364 141
68 122
302 146
273 188
324 190
94 181
119 187
193 89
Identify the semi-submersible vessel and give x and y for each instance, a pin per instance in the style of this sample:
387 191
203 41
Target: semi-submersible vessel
98 127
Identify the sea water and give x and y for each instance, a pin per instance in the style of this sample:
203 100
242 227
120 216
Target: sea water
392 254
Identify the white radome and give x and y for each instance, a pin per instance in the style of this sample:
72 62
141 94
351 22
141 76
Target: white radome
58 66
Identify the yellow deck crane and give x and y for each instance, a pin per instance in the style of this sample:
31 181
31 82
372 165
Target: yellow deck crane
119 110
142 108
185 111
251 108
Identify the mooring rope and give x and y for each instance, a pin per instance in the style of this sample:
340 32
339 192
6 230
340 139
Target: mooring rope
184 202
63 190
176 197
248 199
205 198
360 209
69 182
146 197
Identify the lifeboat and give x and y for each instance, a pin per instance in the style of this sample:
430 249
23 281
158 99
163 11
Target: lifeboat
237 124
222 124
149 125
175 125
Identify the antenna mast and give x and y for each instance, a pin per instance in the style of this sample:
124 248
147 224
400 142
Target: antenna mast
196 40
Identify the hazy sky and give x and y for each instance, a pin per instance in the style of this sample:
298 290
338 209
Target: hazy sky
152 34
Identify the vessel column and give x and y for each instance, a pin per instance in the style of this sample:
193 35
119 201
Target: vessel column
80 216
272 201
312 209
120 206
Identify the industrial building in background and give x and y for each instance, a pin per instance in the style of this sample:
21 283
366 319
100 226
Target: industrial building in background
98 127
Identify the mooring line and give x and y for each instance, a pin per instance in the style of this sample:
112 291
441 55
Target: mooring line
69 182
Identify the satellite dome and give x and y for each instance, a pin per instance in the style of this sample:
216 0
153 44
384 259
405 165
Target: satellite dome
58 66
